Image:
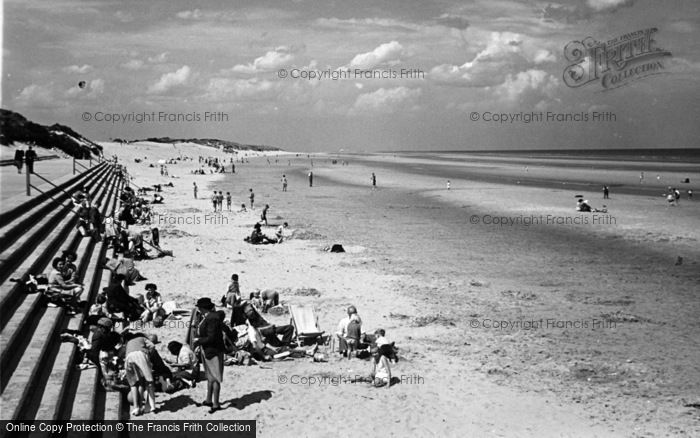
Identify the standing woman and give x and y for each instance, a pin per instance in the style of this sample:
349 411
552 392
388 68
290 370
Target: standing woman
211 342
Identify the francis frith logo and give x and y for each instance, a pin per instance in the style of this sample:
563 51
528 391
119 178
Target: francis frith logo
615 62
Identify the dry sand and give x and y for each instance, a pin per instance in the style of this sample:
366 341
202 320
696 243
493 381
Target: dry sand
439 284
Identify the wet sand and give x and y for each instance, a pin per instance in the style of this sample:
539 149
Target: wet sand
507 327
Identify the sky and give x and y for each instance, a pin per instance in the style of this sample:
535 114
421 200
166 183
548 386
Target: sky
240 71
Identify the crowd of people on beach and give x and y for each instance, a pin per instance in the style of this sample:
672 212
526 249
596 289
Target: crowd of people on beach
128 358
236 334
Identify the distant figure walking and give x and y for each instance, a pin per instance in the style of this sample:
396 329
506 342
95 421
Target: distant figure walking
228 201
214 199
233 168
252 198
311 179
29 158
641 177
284 183
374 181
606 192
263 215
194 189
19 160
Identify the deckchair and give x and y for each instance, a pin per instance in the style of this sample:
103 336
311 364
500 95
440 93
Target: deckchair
305 323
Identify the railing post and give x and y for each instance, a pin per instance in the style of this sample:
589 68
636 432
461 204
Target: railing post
29 192
73 165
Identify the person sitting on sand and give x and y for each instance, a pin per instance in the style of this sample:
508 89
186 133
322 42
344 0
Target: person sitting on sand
381 370
185 361
380 337
258 238
154 306
157 199
243 209
119 300
583 206
342 330
256 300
136 249
280 232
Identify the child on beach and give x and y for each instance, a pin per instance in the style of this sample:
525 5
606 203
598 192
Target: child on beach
233 293
352 337
194 188
243 209
252 198
214 199
256 300
228 201
381 370
280 232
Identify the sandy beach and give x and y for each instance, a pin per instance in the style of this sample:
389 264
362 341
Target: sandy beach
514 314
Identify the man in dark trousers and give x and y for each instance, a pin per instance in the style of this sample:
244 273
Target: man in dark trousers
311 179
29 158
19 159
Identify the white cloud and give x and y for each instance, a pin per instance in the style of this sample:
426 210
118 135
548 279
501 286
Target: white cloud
542 55
36 96
601 5
247 89
133 64
171 80
384 99
523 83
387 53
79 69
190 15
272 60
504 52
158 59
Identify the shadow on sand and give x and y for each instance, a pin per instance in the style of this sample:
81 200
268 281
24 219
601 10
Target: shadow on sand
240 403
